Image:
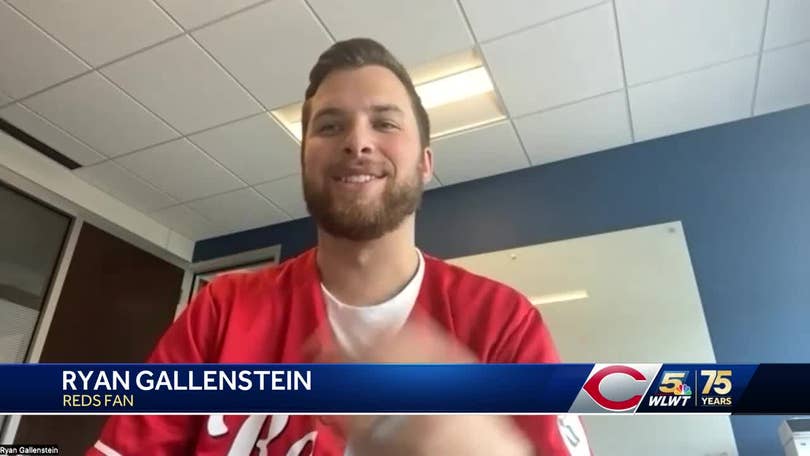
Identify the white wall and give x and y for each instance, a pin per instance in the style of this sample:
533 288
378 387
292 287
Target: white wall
33 173
643 306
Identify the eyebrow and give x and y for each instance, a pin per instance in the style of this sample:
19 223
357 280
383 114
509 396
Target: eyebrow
377 109
326 112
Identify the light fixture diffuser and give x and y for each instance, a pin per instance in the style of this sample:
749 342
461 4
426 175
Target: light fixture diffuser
459 97
574 295
455 87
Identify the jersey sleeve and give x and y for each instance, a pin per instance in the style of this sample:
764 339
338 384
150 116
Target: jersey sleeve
531 342
190 339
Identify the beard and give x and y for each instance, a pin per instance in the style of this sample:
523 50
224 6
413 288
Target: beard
358 220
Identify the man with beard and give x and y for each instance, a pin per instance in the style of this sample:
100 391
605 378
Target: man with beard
365 293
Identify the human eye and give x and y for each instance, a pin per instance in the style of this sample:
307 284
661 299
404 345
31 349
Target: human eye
386 124
327 127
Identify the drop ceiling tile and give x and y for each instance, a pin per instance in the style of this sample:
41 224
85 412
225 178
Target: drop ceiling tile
287 194
694 100
48 133
193 13
125 186
256 149
181 170
563 61
101 115
186 222
182 84
240 210
587 126
788 22
415 32
270 49
664 37
101 30
784 79
479 153
31 60
491 19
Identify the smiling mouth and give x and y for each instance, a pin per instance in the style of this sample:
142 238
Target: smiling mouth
357 178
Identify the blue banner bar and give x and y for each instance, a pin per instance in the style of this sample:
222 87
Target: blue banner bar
403 388
289 388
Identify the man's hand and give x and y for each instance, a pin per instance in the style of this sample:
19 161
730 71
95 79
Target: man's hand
429 435
441 435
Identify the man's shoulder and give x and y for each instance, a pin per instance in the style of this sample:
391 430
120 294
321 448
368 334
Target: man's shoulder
459 277
486 315
273 280
264 301
464 287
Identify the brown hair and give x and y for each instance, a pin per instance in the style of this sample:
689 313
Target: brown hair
356 53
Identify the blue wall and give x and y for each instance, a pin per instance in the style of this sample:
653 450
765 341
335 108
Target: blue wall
741 190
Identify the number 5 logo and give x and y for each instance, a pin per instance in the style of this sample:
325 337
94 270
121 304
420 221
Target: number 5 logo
671 382
720 380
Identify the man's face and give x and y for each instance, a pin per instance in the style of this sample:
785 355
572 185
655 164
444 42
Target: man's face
363 166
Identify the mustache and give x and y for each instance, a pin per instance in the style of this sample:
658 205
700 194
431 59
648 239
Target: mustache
361 167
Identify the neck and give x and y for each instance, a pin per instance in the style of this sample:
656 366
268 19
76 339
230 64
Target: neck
365 273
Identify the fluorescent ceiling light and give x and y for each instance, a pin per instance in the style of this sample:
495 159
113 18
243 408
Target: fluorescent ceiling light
444 66
475 111
454 88
296 129
455 102
290 118
559 297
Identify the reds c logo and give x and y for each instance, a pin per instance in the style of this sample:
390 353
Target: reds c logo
593 384
614 388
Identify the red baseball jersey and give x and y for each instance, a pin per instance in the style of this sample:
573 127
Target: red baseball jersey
277 315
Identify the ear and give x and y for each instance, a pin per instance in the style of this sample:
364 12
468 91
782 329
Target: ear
427 165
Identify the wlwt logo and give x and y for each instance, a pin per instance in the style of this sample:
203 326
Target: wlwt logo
614 388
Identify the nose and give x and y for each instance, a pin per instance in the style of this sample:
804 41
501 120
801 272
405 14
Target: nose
358 140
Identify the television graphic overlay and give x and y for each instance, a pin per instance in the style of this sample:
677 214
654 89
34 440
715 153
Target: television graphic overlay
716 388
673 389
614 388
697 388
553 389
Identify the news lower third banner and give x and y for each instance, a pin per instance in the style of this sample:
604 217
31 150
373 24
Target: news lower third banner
404 388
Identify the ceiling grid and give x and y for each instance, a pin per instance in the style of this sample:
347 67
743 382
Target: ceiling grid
171 106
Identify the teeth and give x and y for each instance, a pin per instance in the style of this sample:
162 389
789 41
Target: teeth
358 178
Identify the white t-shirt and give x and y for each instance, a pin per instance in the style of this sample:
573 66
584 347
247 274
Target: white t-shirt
356 327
